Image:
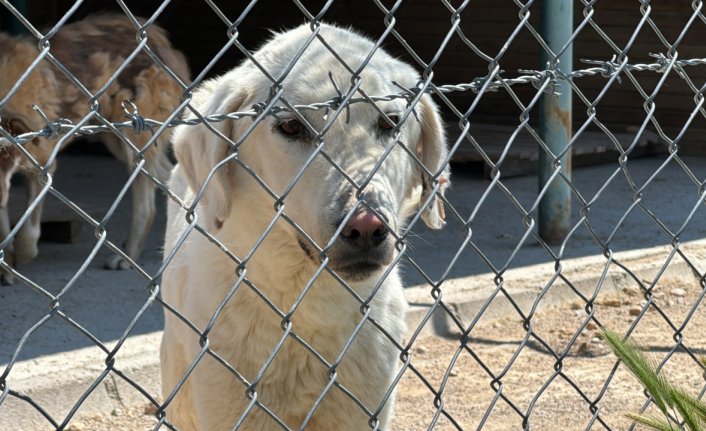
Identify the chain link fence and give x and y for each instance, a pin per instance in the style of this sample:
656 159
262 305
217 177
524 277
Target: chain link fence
516 348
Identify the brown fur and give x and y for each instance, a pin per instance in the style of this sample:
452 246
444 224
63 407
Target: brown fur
92 50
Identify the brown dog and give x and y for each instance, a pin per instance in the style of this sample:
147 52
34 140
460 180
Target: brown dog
92 50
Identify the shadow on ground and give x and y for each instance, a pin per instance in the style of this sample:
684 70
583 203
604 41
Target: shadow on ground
105 302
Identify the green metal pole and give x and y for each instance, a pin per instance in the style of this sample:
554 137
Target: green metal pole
556 27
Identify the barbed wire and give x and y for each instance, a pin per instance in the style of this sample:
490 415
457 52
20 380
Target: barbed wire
536 78
545 81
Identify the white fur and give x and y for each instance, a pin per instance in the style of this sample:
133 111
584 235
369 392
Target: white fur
236 210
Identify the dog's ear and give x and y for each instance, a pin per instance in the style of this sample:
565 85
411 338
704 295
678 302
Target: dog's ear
199 150
432 151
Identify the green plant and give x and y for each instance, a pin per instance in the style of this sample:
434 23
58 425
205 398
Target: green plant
688 409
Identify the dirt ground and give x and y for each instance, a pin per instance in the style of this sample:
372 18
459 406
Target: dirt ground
531 383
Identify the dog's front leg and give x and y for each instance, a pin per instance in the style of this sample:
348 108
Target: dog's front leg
28 235
143 212
211 399
6 277
219 400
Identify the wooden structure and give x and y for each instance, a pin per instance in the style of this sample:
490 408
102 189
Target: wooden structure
489 25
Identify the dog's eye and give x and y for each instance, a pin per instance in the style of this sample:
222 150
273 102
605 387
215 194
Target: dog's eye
15 127
6 125
385 125
291 128
18 127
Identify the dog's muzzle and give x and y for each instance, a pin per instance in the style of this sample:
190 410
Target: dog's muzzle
365 242
363 246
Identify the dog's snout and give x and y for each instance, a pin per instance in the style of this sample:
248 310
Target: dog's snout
365 230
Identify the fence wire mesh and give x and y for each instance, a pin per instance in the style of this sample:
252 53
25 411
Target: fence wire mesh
517 349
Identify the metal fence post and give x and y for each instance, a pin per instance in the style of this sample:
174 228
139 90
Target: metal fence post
555 122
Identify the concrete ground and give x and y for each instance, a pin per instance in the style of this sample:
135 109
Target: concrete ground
56 363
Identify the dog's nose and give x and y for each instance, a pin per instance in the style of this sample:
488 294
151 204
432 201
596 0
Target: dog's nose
364 230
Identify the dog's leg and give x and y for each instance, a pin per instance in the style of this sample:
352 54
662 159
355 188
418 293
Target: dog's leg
143 194
143 211
28 235
219 399
6 278
174 363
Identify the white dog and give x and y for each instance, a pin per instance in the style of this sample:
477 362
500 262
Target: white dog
268 310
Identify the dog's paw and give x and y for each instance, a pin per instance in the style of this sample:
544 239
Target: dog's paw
25 251
6 277
116 263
